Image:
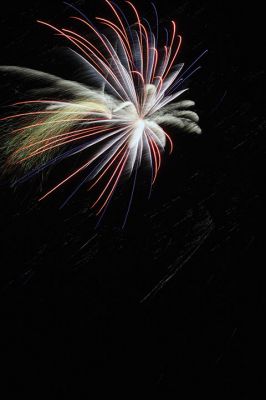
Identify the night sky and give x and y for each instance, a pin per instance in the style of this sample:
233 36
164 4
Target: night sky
175 302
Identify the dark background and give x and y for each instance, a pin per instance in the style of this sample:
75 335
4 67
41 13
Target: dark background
175 302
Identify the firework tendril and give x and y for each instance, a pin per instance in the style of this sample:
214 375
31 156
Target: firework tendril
119 122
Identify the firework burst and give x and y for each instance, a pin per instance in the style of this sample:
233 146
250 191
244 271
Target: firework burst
120 121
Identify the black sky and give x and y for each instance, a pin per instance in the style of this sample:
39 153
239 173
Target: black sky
176 301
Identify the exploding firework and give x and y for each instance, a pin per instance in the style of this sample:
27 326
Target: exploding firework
119 122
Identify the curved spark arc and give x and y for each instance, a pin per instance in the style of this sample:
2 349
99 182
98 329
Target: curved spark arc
123 118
